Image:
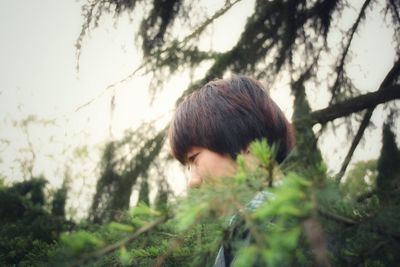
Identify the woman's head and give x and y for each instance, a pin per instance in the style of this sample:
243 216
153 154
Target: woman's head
224 116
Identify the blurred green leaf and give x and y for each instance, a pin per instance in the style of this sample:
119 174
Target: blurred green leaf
143 209
121 227
81 240
124 257
262 151
246 256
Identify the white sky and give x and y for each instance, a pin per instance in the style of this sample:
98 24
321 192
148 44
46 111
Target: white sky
38 77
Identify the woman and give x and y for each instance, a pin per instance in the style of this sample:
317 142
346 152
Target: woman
216 123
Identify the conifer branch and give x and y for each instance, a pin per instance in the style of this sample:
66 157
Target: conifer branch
360 132
113 247
147 60
340 67
351 222
353 105
216 15
252 228
366 195
173 246
336 217
389 79
395 11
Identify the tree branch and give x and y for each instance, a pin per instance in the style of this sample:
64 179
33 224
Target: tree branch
379 229
395 11
113 247
210 20
352 105
340 67
389 79
354 144
336 217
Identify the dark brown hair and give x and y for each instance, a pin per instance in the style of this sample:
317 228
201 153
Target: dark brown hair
224 116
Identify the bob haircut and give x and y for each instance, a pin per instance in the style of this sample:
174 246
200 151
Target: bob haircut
224 116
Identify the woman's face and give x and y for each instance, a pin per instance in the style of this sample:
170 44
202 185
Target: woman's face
204 164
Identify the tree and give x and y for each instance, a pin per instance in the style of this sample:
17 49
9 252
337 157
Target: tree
361 179
123 162
280 38
297 224
388 180
60 197
27 229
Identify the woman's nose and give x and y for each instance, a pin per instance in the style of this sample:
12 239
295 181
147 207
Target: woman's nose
194 180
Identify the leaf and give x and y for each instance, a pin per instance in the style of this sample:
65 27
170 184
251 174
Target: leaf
121 227
261 150
143 209
246 257
80 240
124 256
291 237
188 215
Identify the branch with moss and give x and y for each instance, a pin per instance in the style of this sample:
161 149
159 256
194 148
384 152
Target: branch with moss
390 78
353 105
340 67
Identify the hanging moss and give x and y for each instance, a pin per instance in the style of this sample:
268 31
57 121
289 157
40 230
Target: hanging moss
120 172
306 155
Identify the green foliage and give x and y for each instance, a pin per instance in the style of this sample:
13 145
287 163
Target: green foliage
299 222
27 231
388 180
262 151
359 228
295 222
32 189
199 223
275 36
122 163
142 210
306 155
144 191
80 241
124 257
361 179
280 221
59 201
161 201
356 232
121 227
